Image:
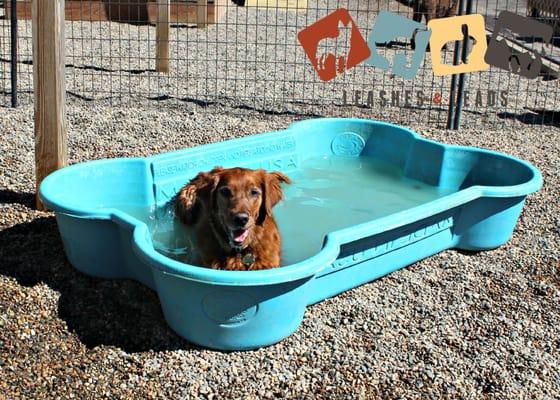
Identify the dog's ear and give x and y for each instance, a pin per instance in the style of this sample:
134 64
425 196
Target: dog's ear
196 196
271 192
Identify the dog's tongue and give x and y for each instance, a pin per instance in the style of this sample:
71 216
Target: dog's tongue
240 236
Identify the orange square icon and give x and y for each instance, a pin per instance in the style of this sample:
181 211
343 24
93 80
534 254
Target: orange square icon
334 44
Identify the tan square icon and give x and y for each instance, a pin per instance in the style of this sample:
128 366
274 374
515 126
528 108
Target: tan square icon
451 29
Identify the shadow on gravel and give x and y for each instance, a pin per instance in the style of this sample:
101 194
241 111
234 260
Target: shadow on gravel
11 197
119 313
534 117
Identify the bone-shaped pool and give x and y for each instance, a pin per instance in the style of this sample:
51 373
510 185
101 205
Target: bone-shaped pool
368 198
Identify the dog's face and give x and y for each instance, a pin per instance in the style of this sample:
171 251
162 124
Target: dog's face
239 197
236 199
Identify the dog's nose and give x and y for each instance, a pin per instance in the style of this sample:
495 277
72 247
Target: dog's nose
241 219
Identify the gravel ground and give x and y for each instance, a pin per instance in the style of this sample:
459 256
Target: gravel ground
455 325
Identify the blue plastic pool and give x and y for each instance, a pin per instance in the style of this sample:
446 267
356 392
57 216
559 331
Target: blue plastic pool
444 197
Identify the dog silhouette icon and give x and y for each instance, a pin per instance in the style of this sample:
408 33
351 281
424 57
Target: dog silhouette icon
334 44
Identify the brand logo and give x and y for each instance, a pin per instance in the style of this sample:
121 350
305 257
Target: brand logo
348 144
334 44
419 98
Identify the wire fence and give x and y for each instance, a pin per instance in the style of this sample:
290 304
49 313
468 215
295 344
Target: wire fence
249 58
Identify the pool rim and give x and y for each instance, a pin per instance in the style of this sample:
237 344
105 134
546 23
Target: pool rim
144 249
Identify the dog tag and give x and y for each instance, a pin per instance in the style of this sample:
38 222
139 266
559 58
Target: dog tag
248 259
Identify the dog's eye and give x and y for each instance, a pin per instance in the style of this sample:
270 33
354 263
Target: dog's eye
225 191
255 192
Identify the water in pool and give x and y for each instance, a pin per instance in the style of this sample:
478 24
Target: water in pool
326 194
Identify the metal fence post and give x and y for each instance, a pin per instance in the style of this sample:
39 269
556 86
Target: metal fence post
462 77
453 89
14 50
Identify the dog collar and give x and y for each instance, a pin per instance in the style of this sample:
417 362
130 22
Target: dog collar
237 249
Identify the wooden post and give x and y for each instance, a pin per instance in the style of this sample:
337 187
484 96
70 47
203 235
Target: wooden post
201 13
162 35
49 88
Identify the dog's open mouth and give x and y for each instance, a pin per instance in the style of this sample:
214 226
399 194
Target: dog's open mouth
238 236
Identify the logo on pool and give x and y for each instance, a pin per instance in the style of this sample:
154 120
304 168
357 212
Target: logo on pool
229 307
348 144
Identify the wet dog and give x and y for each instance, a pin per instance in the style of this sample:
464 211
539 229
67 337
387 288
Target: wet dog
231 212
